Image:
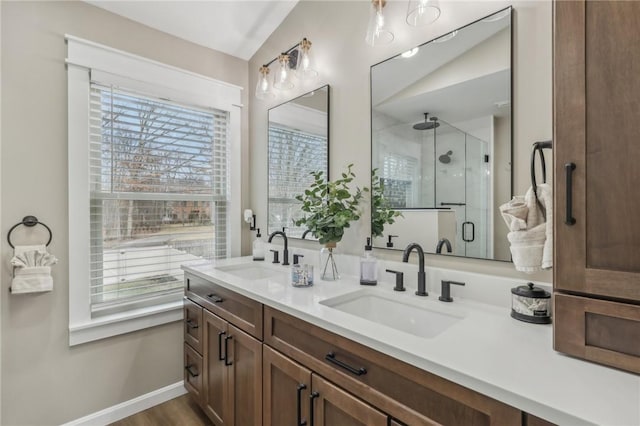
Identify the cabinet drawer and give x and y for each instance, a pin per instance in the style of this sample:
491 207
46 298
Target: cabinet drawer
193 325
409 394
193 372
244 313
598 330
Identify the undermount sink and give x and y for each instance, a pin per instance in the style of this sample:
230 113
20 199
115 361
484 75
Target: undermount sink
408 316
252 271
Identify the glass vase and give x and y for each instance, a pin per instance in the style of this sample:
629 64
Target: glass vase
328 264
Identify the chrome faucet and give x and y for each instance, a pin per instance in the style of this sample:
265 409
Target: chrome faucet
443 242
421 275
285 253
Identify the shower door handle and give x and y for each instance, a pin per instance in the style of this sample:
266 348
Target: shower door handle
464 232
569 219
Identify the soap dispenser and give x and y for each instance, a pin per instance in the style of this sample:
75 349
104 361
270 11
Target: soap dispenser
368 266
258 247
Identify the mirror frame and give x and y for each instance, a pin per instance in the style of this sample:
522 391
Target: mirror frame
327 173
511 130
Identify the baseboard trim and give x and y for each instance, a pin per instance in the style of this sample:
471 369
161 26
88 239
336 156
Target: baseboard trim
131 407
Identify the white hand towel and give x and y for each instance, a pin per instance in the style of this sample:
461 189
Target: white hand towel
32 271
532 246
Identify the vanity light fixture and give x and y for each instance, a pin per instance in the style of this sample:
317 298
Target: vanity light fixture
377 32
297 58
410 53
422 12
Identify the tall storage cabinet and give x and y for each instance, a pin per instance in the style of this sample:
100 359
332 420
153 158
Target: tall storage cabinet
597 181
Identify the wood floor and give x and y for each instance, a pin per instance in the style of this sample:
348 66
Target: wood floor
181 411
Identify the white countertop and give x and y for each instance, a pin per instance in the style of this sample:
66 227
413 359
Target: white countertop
487 351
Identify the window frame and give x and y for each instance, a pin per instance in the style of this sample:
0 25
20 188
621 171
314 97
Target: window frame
85 61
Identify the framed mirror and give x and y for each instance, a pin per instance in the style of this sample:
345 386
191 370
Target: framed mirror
298 144
441 140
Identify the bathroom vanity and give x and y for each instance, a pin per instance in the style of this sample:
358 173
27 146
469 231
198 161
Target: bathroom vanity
259 351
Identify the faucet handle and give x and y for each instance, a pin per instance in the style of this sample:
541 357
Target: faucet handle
275 256
296 258
445 293
389 242
399 280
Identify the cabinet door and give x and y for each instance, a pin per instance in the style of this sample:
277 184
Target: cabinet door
286 389
332 406
244 361
596 127
216 401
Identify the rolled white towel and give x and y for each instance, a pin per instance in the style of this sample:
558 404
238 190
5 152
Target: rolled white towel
515 213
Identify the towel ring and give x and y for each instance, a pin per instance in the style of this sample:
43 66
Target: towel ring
29 221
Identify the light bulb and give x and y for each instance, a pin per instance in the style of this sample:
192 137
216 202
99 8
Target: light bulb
283 75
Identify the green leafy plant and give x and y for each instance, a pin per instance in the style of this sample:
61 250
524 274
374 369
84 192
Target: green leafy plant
329 206
381 211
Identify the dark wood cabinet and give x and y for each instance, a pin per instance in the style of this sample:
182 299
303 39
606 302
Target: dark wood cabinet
223 364
409 394
293 396
597 181
289 379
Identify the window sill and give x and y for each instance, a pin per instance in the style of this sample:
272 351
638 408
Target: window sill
124 322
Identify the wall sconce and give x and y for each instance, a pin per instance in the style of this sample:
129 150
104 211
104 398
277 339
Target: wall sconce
250 218
297 58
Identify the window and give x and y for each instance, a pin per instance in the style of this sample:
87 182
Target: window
398 173
154 181
158 173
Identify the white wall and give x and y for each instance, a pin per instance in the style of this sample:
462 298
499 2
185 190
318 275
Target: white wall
343 59
44 381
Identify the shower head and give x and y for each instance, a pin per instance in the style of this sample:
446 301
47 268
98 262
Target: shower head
445 158
426 125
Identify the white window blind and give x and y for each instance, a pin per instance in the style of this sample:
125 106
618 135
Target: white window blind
293 155
159 194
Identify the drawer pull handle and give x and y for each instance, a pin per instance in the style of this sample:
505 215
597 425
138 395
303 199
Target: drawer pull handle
300 422
220 357
313 396
569 219
190 371
331 357
192 324
226 351
214 298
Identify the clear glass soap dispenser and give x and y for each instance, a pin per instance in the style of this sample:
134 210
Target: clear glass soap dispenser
368 266
258 247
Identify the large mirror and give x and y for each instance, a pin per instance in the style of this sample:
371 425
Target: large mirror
298 145
441 136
